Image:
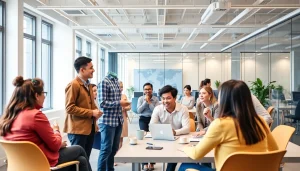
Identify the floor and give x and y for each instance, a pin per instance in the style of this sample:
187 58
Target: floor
127 166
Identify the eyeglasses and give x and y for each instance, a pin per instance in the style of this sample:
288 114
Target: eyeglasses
45 93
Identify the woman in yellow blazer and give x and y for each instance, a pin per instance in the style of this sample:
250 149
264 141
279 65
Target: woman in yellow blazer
238 128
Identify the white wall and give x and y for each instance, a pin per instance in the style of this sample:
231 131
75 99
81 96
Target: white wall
278 69
63 55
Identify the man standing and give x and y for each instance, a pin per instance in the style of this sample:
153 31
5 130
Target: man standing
110 124
172 113
80 122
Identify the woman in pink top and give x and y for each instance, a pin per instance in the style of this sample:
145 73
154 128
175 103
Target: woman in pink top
23 121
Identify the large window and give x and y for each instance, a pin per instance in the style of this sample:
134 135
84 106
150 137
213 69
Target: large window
101 64
2 47
88 49
46 62
78 46
29 45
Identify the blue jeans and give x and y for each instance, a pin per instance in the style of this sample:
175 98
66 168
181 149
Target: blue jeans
185 166
85 141
110 140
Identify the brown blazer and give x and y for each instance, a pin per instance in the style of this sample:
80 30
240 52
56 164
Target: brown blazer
79 108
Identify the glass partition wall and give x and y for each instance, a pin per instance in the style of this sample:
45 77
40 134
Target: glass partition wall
176 69
270 56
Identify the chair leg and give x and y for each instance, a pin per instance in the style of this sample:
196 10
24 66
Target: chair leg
297 127
77 167
163 167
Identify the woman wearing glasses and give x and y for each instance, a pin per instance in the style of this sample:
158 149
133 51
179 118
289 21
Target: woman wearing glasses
23 121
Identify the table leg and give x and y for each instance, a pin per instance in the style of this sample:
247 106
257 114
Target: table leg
136 167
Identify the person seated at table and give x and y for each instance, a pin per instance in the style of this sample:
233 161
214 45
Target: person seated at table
238 128
172 113
145 107
23 121
207 109
187 100
205 82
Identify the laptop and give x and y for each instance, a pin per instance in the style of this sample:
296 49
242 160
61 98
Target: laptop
162 132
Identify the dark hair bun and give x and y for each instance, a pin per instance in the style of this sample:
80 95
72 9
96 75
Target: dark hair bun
18 81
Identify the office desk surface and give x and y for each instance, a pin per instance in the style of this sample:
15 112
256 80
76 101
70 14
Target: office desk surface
170 153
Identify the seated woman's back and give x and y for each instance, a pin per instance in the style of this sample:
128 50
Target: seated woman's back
223 134
238 128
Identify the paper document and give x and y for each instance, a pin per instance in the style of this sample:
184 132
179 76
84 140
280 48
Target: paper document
195 139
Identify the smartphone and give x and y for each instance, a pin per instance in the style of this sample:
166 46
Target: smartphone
154 148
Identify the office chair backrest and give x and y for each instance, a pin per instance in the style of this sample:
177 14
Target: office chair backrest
138 94
297 110
192 125
24 155
249 161
134 102
282 135
296 96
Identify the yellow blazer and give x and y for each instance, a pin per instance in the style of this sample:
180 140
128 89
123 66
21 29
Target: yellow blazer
222 136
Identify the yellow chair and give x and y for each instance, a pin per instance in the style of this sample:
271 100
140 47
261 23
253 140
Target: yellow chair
26 156
282 135
192 125
270 111
249 161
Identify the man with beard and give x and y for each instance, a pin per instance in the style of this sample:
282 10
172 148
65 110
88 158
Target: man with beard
172 113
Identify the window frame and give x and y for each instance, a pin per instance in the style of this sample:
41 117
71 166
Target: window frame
101 64
33 39
78 46
50 65
88 49
3 57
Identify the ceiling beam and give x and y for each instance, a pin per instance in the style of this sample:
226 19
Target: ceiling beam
168 26
273 6
166 41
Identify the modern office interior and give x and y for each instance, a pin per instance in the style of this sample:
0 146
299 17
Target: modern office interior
175 42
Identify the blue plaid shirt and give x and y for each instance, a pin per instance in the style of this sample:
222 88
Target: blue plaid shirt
109 96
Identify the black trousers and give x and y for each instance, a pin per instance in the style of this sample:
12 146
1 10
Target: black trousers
144 125
72 153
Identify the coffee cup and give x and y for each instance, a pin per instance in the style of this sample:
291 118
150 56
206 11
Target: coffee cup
140 134
183 140
132 140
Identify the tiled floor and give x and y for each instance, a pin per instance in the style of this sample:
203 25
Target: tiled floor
158 166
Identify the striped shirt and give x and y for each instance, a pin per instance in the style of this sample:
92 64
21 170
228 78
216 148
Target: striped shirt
109 96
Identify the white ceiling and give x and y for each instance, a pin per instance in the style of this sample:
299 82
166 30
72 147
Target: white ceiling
143 26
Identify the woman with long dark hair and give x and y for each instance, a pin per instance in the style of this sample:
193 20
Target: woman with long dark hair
23 121
237 129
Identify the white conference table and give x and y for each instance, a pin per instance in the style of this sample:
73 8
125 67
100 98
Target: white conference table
137 154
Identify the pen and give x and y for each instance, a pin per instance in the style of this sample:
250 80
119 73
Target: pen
149 143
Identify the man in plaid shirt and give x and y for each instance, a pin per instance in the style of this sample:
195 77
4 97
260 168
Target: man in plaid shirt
110 124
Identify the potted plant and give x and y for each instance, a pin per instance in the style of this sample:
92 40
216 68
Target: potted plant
261 91
217 84
130 91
